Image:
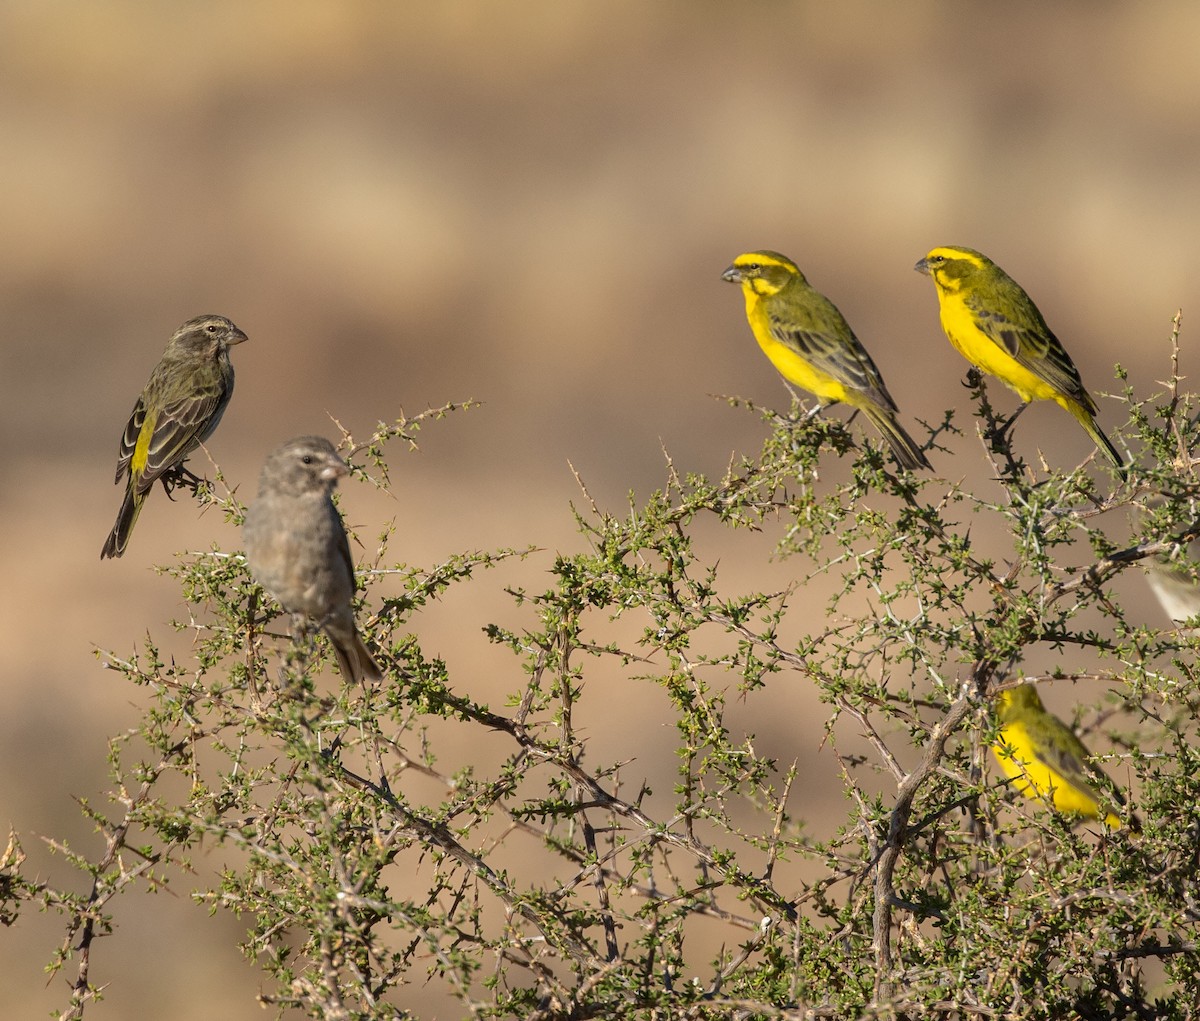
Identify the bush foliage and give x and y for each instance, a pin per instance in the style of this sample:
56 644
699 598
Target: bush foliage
550 880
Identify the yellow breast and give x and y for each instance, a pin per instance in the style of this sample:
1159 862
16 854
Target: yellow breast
980 350
791 365
1034 779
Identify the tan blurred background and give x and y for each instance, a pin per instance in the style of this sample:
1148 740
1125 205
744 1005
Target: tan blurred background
530 205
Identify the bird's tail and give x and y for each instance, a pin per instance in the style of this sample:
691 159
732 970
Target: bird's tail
354 659
1088 420
127 517
904 448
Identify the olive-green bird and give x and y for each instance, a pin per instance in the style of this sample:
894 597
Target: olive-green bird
811 344
179 408
1045 760
995 325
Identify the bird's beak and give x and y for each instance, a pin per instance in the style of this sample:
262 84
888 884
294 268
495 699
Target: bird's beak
236 336
733 275
922 267
334 470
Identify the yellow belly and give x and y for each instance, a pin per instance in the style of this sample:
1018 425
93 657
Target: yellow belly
1036 780
795 369
983 352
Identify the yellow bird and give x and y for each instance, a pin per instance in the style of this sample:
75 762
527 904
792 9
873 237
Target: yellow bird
811 344
995 326
1047 761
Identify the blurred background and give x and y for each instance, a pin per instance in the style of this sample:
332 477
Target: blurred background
528 205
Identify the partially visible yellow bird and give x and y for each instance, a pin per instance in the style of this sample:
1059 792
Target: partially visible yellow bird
995 326
812 345
1047 761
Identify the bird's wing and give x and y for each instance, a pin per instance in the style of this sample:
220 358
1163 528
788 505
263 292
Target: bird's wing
343 545
1024 335
841 357
1065 754
129 438
174 433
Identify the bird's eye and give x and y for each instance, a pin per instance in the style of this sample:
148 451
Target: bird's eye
307 459
211 327
754 267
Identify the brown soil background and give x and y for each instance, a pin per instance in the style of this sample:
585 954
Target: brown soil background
530 205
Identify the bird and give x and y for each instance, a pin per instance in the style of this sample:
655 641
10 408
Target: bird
1045 760
811 345
179 407
296 548
1174 577
994 324
1175 585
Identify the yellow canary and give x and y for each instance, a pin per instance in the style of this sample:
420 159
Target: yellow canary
811 344
995 326
1046 760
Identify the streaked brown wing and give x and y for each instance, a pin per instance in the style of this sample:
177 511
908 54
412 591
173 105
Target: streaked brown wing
179 429
129 438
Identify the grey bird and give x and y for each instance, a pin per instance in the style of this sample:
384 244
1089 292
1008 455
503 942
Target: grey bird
297 550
